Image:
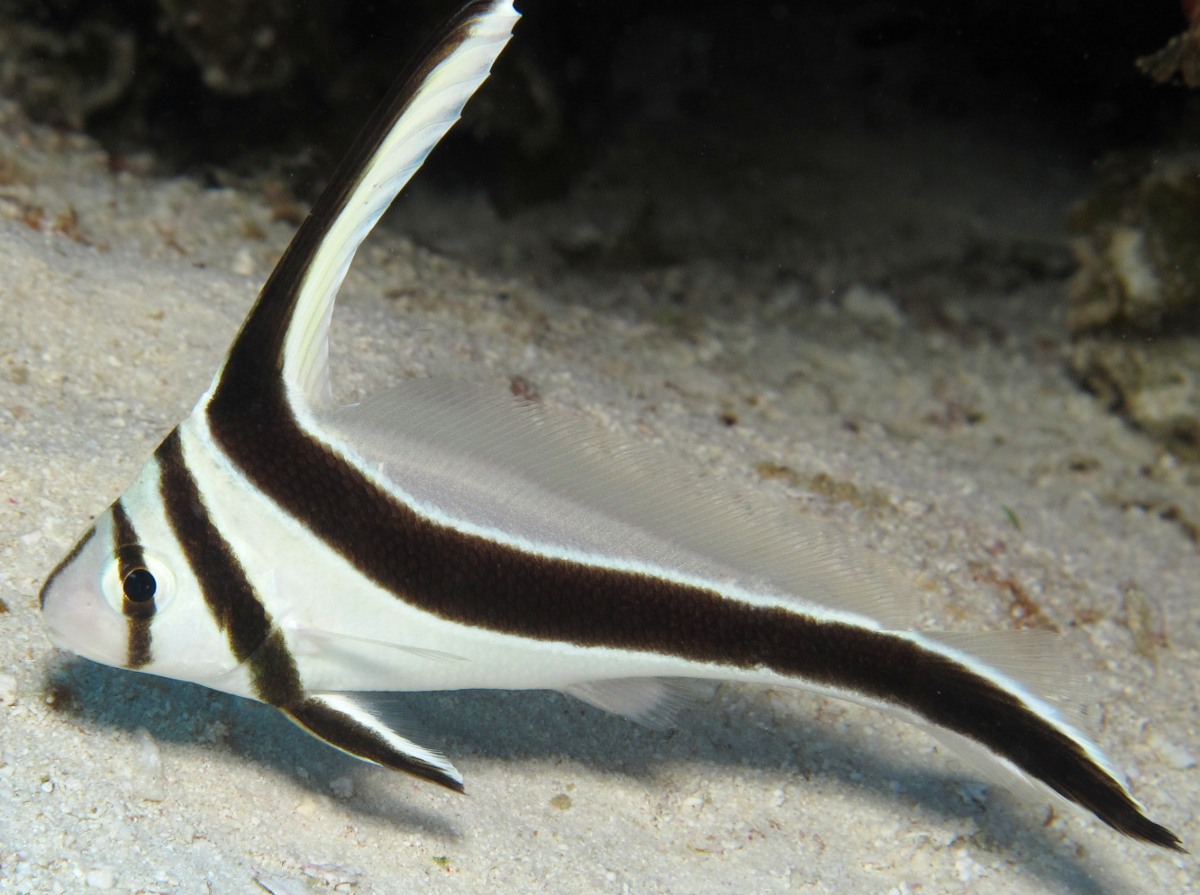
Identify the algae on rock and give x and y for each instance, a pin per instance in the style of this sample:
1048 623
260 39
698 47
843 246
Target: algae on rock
1135 302
1139 247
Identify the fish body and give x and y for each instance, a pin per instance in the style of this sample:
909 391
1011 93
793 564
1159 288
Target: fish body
285 548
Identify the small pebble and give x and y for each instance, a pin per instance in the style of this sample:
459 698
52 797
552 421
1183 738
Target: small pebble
342 787
101 878
1175 755
333 874
277 885
243 263
148 780
562 801
8 689
871 307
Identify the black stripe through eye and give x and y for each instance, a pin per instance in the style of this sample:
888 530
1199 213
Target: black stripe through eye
140 586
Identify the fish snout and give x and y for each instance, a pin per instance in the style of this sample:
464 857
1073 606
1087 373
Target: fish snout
74 608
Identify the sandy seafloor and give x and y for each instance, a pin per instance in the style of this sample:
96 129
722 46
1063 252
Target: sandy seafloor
932 420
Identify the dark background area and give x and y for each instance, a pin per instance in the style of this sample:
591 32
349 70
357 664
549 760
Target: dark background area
231 86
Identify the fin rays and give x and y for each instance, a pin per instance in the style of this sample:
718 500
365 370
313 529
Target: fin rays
534 463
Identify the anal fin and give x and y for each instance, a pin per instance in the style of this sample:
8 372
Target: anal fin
348 723
651 701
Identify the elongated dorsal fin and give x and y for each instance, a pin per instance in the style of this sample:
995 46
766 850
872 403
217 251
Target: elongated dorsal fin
287 332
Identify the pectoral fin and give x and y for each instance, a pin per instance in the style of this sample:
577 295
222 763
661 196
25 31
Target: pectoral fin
348 722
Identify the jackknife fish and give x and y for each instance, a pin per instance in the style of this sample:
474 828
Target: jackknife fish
284 548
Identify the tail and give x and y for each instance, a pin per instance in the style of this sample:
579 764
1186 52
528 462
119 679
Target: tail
989 711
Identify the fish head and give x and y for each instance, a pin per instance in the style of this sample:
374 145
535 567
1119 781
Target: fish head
125 596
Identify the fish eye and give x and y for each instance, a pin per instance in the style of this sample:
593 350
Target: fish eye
136 584
139 585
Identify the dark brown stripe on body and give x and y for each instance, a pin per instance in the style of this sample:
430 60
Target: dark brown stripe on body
128 551
477 582
137 649
228 593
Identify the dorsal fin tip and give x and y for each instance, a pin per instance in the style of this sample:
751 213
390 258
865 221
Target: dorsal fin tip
287 330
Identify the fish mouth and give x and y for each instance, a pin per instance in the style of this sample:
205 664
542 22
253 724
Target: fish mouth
77 616
59 641
68 644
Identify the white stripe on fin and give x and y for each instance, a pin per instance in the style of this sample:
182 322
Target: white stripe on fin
1002 773
432 109
349 723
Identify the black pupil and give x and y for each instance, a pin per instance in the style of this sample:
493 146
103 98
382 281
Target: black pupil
140 586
